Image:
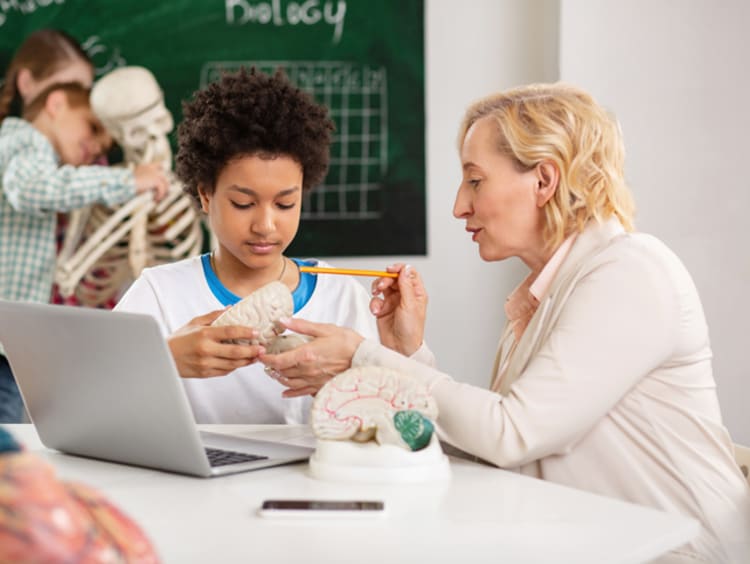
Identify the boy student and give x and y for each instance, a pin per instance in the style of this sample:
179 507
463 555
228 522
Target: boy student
57 128
249 146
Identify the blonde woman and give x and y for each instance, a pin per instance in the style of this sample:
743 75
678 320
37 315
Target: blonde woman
603 379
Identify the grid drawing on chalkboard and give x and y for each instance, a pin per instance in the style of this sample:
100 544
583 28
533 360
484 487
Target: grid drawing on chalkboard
356 95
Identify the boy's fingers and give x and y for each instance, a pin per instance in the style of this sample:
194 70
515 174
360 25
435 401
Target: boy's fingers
208 318
235 332
241 352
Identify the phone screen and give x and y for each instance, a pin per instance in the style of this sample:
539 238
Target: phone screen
322 505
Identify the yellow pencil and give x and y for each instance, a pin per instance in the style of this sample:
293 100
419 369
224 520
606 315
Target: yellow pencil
350 271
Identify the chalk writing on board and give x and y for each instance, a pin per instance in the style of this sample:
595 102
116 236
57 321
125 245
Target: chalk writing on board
104 58
23 6
278 13
356 96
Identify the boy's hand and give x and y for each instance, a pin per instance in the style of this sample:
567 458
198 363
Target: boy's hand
200 351
151 177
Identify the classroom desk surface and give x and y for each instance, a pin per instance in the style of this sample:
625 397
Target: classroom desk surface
482 514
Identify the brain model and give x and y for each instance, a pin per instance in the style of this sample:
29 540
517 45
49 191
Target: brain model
45 520
377 403
262 311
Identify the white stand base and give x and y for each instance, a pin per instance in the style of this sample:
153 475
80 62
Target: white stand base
349 461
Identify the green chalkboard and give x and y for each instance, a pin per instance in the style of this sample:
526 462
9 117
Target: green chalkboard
363 59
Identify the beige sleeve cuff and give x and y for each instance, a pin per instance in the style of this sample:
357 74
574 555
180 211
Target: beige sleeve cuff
372 353
424 355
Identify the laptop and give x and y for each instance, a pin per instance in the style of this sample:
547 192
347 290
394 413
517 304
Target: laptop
103 384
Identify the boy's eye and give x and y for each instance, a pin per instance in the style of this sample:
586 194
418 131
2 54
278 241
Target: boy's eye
240 206
285 206
473 182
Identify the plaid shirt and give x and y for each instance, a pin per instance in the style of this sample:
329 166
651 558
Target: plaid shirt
34 187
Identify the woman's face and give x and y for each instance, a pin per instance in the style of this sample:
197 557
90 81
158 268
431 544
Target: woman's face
498 202
255 209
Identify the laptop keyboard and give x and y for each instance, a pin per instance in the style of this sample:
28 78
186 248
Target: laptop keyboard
219 457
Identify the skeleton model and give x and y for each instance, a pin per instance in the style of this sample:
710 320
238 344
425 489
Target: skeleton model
105 247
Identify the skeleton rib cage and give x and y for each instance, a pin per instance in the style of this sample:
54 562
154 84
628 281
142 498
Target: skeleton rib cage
105 247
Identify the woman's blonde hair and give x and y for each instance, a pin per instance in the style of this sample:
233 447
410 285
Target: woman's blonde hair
562 124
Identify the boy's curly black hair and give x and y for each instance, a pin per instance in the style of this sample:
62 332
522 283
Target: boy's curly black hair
250 113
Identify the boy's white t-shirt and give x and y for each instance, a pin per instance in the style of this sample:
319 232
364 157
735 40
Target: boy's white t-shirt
178 292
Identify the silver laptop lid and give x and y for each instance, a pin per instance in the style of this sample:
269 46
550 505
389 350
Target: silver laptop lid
103 384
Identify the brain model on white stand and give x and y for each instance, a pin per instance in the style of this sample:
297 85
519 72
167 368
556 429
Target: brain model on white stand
374 424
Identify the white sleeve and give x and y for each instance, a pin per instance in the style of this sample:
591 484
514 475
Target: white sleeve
618 324
141 298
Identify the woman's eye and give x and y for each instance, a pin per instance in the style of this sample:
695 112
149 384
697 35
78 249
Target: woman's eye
285 206
474 182
240 206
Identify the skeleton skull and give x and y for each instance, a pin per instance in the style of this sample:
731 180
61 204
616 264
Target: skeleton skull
130 104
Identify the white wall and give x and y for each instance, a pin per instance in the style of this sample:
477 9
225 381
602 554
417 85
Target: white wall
676 74
472 49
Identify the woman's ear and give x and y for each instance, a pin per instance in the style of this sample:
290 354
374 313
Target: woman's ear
548 177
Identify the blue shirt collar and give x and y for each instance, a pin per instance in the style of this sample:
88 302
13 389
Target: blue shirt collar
301 295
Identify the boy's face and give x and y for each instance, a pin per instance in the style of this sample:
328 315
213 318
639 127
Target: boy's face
77 134
255 209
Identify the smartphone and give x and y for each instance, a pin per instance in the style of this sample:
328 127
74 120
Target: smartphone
316 508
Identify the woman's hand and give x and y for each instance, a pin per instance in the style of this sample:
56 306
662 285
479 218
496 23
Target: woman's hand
305 369
402 309
201 351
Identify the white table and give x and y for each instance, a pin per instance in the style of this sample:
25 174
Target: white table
482 514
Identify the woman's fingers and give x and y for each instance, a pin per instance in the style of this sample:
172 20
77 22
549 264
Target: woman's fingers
298 359
410 284
308 391
300 385
376 306
380 285
306 327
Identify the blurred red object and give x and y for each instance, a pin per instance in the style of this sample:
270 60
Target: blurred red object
45 520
